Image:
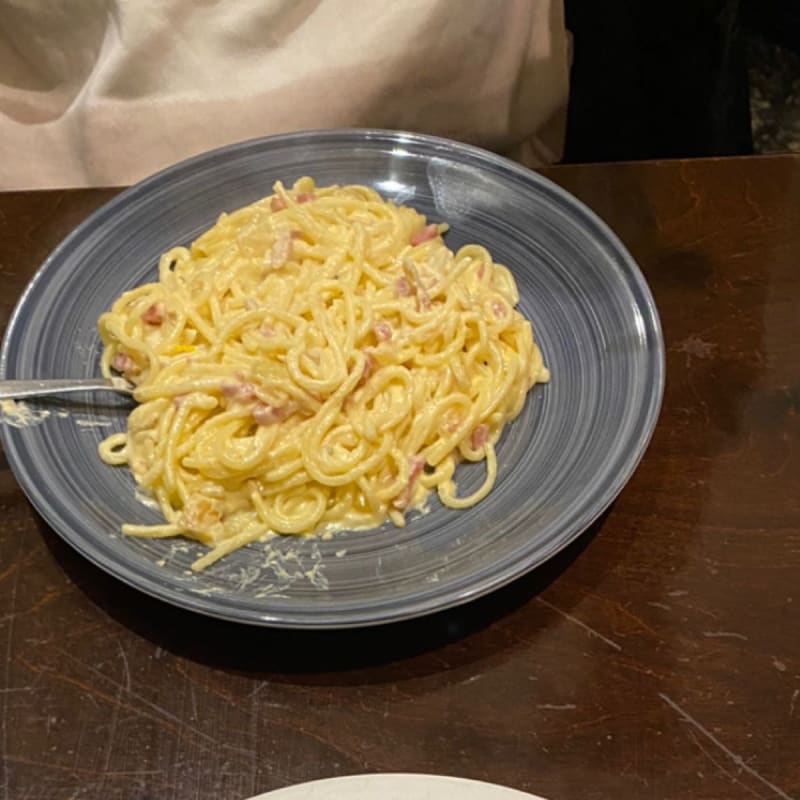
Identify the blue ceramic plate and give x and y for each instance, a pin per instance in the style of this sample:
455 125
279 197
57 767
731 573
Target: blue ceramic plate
561 462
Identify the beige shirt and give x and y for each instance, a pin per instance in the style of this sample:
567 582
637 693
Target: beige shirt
105 92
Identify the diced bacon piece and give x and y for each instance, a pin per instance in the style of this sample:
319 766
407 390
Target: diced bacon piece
452 424
264 414
277 203
498 309
383 331
123 363
369 368
304 197
479 437
415 284
281 250
403 287
268 415
179 400
200 513
267 330
154 315
415 466
250 304
481 271
424 234
239 392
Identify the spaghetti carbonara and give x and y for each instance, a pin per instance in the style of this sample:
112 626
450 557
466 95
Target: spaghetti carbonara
318 360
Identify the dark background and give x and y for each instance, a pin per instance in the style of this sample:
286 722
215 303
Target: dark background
673 79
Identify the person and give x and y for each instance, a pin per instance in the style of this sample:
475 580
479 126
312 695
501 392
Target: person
105 92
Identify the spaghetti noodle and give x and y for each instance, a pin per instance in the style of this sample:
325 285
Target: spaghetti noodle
318 360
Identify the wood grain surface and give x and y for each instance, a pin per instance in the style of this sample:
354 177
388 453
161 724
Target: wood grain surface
657 657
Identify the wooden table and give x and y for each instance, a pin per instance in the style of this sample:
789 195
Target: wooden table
657 658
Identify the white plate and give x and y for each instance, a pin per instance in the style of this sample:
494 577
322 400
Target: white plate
396 787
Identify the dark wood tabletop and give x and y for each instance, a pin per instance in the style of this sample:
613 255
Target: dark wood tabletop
658 657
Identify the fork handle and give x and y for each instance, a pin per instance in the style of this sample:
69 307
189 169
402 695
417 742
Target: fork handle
20 389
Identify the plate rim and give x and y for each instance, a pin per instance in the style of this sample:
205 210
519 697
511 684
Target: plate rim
432 602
